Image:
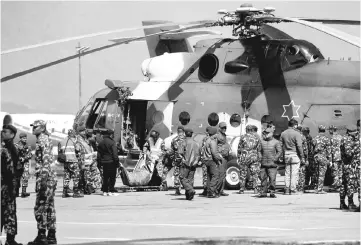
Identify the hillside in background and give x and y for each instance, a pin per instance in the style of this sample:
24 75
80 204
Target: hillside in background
11 107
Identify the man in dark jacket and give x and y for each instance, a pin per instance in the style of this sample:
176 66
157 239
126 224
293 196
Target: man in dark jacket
270 151
212 160
188 167
107 157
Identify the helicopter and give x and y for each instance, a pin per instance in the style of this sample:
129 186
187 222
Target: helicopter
260 75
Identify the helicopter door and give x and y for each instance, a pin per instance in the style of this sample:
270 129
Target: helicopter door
159 117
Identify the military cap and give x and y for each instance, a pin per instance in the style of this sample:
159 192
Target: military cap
249 127
212 131
321 127
351 128
37 123
81 128
207 129
332 127
188 130
180 127
299 127
22 135
11 128
222 124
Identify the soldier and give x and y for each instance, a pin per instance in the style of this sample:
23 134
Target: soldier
87 160
212 159
71 167
271 150
310 174
44 209
291 142
154 148
177 151
302 171
25 156
8 185
350 159
223 149
204 166
358 170
336 156
322 153
188 167
248 157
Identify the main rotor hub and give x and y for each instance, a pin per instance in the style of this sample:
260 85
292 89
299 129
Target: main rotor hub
247 20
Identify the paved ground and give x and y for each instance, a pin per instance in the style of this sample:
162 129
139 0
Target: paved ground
161 218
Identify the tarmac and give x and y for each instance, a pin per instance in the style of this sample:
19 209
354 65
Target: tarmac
158 217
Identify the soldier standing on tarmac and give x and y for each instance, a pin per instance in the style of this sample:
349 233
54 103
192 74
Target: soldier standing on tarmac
224 149
204 166
302 171
350 159
336 156
177 147
8 185
310 174
322 150
44 209
24 160
249 147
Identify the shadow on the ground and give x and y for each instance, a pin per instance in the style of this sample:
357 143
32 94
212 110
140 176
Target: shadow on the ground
192 241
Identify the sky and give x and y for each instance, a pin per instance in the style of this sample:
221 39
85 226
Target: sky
55 89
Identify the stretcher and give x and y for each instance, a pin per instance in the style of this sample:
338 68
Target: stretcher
140 179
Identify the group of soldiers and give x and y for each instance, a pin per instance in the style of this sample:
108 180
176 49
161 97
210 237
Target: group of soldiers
306 161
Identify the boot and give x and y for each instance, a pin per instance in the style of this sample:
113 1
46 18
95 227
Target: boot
77 194
343 205
51 237
241 192
24 193
10 240
40 239
164 186
351 205
177 192
70 191
65 193
287 191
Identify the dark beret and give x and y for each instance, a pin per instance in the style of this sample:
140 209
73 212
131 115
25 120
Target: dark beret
22 135
180 127
188 130
212 131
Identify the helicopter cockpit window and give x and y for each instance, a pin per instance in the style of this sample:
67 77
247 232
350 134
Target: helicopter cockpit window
294 58
272 50
83 117
102 116
97 109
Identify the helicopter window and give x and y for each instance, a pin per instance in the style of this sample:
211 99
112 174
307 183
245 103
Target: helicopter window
94 113
235 120
294 58
184 118
213 119
85 113
101 119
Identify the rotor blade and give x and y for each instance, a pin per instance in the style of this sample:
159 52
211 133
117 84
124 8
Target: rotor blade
331 21
128 40
328 30
274 33
95 35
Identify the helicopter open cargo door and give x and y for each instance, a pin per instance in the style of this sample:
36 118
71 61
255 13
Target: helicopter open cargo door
159 117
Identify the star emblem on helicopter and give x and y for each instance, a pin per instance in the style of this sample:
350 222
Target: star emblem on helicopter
290 109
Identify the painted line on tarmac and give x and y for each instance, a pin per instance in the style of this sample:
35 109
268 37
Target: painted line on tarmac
174 225
328 241
98 238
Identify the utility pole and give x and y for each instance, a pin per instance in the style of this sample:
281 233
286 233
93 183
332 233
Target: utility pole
80 50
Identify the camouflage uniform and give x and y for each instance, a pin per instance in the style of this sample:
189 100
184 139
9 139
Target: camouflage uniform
336 159
44 209
204 166
91 176
248 158
357 165
350 152
178 147
311 168
302 170
322 151
8 192
25 156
